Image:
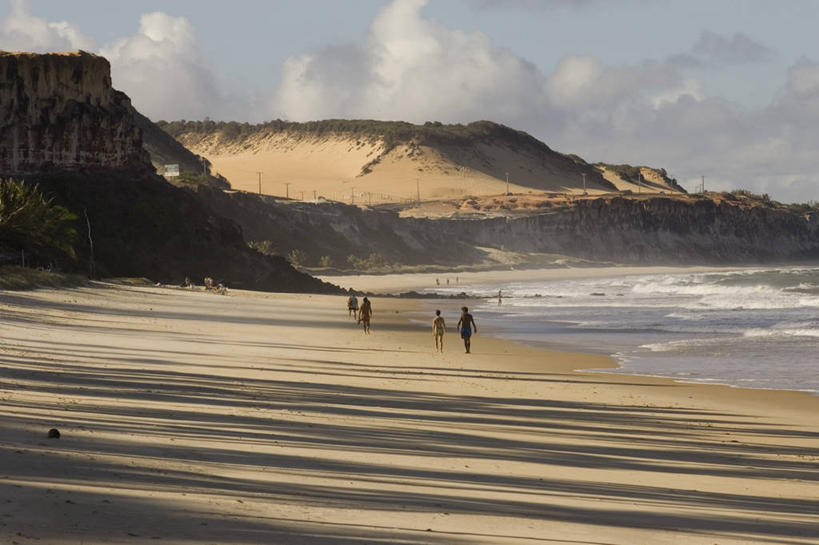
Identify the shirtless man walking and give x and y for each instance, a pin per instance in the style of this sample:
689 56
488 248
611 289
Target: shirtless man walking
438 330
466 325
364 315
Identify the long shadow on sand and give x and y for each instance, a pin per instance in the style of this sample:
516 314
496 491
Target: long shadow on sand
120 421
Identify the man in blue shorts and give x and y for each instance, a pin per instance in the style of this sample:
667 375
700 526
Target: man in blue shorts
466 325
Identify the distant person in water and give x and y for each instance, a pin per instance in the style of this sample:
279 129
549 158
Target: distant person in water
438 330
466 325
500 298
352 306
364 315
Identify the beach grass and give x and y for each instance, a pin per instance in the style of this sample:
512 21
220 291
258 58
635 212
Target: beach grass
22 278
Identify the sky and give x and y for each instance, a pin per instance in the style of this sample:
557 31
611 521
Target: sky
724 89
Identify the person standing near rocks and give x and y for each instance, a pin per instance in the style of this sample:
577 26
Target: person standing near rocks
466 325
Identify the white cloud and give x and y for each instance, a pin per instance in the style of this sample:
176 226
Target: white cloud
413 69
20 31
164 72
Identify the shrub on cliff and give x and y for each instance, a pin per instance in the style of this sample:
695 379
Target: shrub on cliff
264 247
372 262
32 222
297 257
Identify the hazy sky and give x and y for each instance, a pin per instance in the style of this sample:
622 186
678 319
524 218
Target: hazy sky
728 89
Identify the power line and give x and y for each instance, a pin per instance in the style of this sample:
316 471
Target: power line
260 181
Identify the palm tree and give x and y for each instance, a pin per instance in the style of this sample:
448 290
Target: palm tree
32 222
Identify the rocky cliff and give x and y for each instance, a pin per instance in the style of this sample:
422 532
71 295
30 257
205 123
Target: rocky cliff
65 128
635 230
59 110
657 230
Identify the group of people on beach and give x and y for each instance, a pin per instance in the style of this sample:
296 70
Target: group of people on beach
466 324
362 314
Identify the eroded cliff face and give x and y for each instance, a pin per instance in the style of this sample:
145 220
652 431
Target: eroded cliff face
58 110
659 230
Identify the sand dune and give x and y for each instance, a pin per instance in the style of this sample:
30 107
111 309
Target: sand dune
350 166
332 168
653 182
192 418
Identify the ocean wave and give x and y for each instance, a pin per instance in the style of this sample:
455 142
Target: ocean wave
804 332
669 346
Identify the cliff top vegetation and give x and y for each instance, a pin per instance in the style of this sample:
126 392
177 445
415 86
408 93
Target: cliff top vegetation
391 133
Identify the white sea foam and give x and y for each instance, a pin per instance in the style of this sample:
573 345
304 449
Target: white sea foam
734 327
781 333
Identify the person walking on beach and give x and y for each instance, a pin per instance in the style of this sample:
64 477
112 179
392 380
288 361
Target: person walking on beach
438 330
364 315
352 306
466 325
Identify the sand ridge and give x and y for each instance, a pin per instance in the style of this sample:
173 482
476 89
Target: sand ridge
270 418
364 169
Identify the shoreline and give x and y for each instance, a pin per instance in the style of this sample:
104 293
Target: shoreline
259 417
418 282
396 283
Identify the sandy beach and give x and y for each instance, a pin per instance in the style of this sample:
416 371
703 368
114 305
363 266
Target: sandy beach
193 418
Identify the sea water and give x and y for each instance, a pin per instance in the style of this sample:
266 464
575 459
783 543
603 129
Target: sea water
755 328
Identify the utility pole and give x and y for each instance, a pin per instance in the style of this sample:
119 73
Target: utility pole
507 183
302 196
287 190
640 182
702 187
584 182
260 181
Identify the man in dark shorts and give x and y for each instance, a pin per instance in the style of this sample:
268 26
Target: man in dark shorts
352 305
466 325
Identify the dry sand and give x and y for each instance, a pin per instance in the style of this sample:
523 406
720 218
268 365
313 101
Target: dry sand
332 166
192 418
